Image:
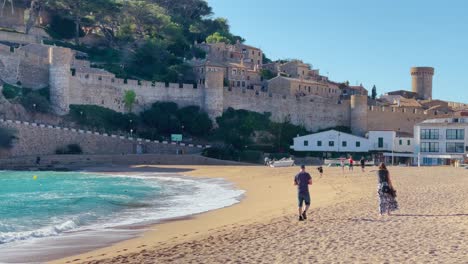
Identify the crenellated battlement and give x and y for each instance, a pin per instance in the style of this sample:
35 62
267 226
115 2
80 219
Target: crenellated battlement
126 84
408 110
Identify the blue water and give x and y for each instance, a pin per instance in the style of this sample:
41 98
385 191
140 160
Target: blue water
56 202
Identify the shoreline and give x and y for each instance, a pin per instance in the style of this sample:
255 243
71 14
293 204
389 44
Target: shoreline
247 211
56 247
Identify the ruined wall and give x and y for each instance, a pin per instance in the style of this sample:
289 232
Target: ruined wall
312 112
40 139
398 119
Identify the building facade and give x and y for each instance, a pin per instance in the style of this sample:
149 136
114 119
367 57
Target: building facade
441 141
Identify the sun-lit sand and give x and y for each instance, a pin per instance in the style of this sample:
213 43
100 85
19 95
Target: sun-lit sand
343 226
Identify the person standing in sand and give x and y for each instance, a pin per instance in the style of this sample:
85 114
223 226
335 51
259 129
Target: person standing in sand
351 163
302 180
387 194
363 164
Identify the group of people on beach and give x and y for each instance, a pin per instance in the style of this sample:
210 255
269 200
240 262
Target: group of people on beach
385 190
362 163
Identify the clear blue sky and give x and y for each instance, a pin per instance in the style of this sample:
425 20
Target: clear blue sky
367 41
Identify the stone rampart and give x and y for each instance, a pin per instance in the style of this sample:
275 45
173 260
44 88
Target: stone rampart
314 113
42 139
20 38
399 118
95 89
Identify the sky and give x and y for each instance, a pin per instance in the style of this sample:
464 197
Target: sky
373 42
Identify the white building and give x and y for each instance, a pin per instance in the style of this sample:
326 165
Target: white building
441 141
390 141
331 141
335 141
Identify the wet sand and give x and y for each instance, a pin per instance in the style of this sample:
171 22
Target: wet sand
343 226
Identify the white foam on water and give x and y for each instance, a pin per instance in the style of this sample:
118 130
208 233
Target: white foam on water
182 196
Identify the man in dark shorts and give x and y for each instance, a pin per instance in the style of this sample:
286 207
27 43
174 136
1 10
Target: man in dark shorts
303 180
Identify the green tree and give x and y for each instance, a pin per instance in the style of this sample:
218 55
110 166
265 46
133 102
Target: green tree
374 92
34 102
76 10
129 99
217 37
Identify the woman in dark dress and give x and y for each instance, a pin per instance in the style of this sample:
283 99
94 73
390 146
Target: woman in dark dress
387 194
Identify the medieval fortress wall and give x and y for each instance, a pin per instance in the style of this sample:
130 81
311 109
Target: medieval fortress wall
42 139
37 66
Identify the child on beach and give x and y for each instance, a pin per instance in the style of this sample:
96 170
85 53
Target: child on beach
351 163
320 170
363 164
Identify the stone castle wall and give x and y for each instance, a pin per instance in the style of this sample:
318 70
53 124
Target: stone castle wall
397 118
94 89
40 139
313 113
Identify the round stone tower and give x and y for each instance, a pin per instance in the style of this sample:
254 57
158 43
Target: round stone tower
422 81
59 79
213 92
358 115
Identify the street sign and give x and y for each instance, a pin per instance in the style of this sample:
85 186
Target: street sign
176 137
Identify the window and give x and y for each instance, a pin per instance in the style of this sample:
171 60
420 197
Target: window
243 84
429 147
455 134
409 142
306 143
344 144
455 147
319 143
238 83
429 133
358 144
400 142
331 143
380 145
234 71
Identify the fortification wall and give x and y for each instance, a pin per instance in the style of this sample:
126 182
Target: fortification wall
312 112
398 118
20 38
40 139
108 92
26 67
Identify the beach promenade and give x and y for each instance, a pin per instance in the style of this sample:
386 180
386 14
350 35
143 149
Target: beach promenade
343 226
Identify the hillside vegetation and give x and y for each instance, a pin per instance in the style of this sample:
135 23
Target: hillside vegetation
141 39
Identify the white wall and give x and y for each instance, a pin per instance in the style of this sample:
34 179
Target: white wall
388 140
404 146
310 142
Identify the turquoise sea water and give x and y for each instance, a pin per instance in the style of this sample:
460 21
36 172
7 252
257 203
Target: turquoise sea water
56 202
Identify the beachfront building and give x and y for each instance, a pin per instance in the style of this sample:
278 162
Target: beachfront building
389 146
441 141
331 141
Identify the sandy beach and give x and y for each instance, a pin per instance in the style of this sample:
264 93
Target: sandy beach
343 226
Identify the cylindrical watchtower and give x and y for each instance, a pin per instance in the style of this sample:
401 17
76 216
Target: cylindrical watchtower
59 79
422 81
358 118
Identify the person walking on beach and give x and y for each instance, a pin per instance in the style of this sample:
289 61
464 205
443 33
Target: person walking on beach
363 164
351 163
302 180
387 194
320 170
342 164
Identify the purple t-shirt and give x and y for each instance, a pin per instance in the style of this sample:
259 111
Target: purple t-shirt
302 180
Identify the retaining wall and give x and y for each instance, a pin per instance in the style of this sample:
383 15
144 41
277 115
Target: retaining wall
41 139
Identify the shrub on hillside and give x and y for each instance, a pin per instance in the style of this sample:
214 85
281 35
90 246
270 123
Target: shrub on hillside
103 118
10 91
34 102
